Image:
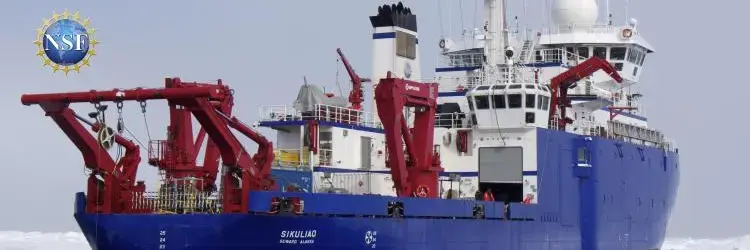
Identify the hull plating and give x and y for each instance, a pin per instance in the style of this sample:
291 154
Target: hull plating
622 202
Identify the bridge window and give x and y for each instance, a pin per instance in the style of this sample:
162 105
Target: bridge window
617 53
515 101
530 101
636 56
514 86
471 103
498 101
618 66
543 102
483 101
406 45
643 57
498 87
583 52
600 52
483 87
530 86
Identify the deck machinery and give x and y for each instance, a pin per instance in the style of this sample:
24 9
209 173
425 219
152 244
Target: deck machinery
111 187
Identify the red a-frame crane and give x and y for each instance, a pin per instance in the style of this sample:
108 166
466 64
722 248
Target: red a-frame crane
209 104
559 86
415 173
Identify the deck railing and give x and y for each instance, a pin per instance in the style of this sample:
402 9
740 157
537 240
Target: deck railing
301 157
176 196
320 112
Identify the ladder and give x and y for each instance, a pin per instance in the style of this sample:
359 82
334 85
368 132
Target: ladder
526 50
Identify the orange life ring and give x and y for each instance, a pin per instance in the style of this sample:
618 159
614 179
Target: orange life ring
627 33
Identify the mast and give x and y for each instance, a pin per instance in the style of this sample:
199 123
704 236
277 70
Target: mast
496 33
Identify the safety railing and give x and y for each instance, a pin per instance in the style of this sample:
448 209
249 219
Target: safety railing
453 120
457 83
346 183
300 158
320 112
556 55
176 197
586 28
461 59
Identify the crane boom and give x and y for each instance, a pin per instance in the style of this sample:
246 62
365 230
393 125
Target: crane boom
208 103
562 82
416 172
356 97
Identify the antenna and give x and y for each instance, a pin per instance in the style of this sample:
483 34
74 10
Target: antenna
627 3
609 14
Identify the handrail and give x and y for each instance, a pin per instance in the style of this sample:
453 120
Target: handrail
320 112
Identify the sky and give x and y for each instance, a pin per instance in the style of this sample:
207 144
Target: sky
263 49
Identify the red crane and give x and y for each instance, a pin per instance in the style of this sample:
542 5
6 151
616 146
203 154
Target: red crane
415 173
560 84
356 96
210 104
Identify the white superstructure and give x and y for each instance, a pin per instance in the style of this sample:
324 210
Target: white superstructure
494 97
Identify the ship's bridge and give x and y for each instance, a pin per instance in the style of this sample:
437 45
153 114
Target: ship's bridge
622 46
509 105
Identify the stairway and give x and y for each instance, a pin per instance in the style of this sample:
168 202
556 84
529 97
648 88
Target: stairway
525 51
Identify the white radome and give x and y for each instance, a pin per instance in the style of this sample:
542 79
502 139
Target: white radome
575 12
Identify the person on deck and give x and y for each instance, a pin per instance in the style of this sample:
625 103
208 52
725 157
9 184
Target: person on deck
488 196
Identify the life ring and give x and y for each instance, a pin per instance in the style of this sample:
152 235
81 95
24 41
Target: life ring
626 33
422 191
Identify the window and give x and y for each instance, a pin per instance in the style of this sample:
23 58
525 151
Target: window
514 86
600 52
498 101
483 87
483 101
617 53
583 52
633 55
582 158
406 45
635 71
498 87
545 104
515 101
529 86
530 101
643 57
552 55
471 103
539 101
571 54
538 55
636 56
618 66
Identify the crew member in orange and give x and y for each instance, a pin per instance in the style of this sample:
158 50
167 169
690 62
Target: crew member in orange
488 196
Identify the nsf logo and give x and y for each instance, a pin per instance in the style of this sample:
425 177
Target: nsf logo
65 42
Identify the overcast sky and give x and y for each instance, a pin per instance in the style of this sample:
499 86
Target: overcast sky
692 84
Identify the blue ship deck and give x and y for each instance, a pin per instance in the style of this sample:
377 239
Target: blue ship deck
623 201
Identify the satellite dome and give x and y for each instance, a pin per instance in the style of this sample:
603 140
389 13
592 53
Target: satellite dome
575 12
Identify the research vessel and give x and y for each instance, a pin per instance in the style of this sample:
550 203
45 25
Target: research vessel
547 125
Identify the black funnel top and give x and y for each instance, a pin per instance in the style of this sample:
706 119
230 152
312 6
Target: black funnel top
395 15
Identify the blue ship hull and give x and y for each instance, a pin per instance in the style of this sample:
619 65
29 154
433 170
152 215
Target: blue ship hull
623 201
